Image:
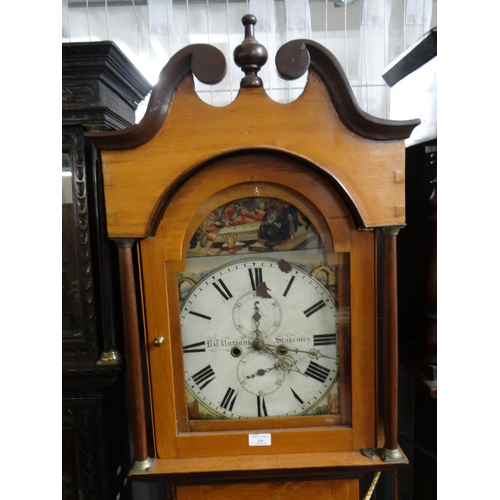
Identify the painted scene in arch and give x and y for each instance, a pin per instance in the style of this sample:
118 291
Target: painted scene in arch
251 225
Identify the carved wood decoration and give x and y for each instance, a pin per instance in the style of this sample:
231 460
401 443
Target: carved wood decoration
80 346
342 167
101 87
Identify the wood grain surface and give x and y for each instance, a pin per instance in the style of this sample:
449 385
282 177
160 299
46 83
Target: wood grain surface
369 172
289 490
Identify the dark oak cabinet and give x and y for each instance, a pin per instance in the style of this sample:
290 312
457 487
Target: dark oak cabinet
100 91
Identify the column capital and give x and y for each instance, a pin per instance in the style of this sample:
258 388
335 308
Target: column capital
124 242
391 230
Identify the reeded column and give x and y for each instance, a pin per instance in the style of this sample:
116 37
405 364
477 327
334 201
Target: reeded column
133 353
390 342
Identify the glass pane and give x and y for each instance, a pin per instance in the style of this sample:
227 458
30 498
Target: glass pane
71 308
260 316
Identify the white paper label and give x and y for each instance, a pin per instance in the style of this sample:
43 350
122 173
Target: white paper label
259 439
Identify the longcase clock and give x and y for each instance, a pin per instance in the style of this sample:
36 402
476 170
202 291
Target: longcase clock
258 239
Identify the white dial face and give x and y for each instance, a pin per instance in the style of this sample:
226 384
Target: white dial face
259 340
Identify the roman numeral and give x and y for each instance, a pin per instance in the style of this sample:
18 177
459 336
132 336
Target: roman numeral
229 399
287 289
316 307
200 315
222 289
261 407
318 372
325 339
255 277
295 395
198 347
204 377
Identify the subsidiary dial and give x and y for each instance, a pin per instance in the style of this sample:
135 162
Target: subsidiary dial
244 319
260 373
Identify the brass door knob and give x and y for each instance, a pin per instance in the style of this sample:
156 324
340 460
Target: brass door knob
158 341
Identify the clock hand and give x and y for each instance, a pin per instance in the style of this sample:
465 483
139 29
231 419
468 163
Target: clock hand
258 344
283 349
280 353
262 372
313 353
257 318
288 363
284 361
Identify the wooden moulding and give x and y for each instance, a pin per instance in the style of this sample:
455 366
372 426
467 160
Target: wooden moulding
292 61
297 56
324 127
304 466
206 62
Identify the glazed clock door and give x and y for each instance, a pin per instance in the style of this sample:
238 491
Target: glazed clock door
248 287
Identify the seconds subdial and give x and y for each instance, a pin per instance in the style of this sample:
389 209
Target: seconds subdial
244 311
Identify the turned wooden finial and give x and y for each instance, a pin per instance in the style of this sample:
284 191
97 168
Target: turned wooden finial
250 55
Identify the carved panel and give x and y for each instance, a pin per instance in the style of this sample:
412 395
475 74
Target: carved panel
81 94
71 484
84 453
80 345
101 87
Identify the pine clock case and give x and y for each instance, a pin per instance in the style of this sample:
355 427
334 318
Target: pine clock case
344 169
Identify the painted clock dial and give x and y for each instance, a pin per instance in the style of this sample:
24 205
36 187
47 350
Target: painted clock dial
259 339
